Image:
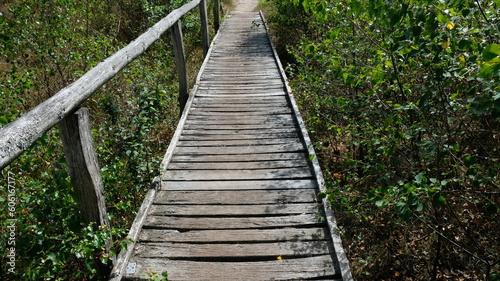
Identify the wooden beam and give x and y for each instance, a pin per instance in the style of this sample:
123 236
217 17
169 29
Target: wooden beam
217 15
180 61
204 27
83 166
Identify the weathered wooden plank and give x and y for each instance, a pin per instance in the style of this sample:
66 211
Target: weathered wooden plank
239 106
235 73
237 110
242 136
187 223
234 235
219 86
249 101
244 251
285 269
235 197
241 118
238 157
236 165
248 91
252 149
276 119
234 210
237 100
256 174
262 126
247 142
239 133
239 94
239 185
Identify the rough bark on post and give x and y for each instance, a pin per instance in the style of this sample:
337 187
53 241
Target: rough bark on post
83 167
85 175
204 27
180 60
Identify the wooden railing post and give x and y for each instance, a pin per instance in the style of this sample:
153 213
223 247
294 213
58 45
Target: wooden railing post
204 27
83 168
217 14
85 175
180 61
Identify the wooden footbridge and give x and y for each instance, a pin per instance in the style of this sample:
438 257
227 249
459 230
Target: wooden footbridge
238 196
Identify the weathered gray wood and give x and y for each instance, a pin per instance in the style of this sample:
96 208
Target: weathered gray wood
188 223
217 14
253 149
234 210
124 256
235 235
22 133
238 132
180 61
83 167
235 197
239 157
237 165
262 126
256 174
286 269
238 142
241 251
204 27
275 120
85 175
242 136
240 185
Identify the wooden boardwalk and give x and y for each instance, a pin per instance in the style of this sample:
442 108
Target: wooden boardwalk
238 198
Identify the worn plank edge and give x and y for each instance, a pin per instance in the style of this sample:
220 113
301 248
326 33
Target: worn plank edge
123 257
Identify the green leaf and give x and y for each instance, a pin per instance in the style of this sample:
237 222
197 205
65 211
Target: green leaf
4 120
492 209
438 200
381 203
491 51
420 178
420 206
469 161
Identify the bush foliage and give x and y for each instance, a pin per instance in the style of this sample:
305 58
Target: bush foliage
402 100
44 46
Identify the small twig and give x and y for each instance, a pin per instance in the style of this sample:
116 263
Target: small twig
451 241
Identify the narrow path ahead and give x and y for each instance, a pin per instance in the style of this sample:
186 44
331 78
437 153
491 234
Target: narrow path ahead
238 200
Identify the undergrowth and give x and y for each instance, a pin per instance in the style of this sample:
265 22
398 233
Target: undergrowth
401 99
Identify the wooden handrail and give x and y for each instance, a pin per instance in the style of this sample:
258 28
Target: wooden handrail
19 135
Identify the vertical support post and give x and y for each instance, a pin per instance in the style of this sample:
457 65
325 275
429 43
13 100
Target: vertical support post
217 14
180 61
83 167
204 27
85 174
